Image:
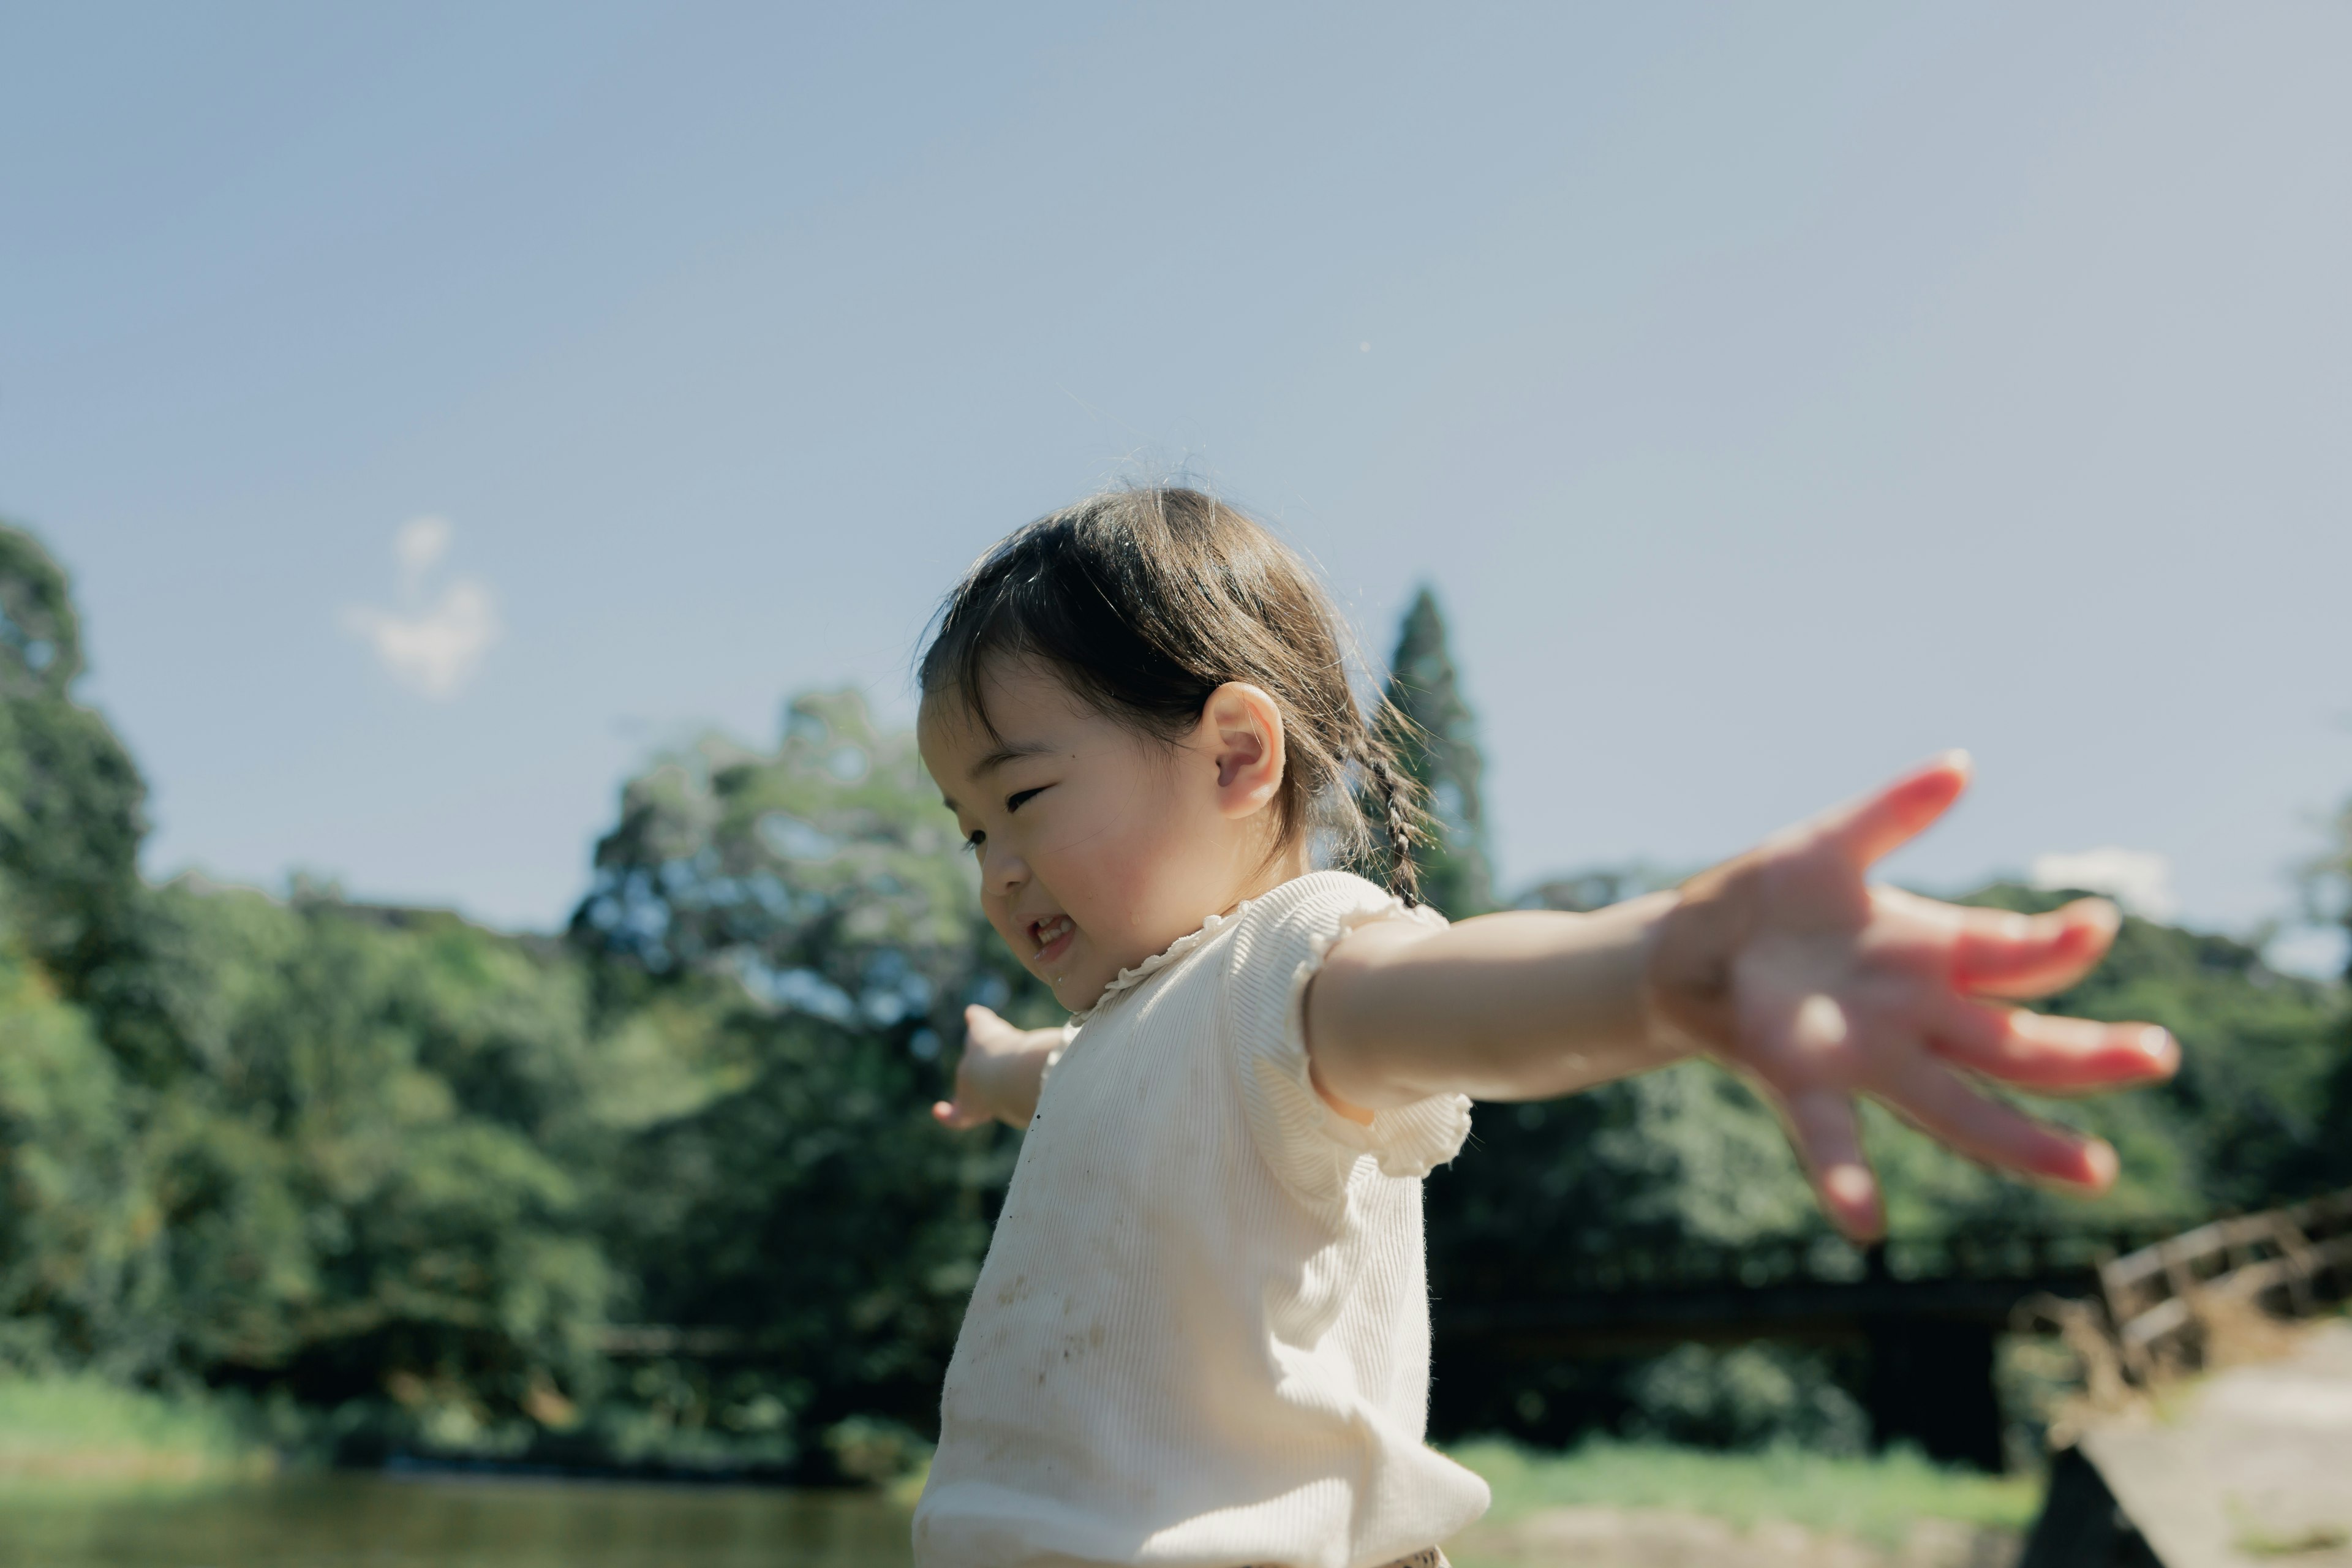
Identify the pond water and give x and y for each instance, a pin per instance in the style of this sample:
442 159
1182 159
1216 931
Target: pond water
367 1521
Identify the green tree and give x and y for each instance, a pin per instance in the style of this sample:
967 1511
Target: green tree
373 1181
80 1265
2329 887
2244 1124
1437 738
72 813
810 911
78 1270
824 877
298 1143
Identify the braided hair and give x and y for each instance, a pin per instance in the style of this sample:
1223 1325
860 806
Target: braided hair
1398 827
1147 600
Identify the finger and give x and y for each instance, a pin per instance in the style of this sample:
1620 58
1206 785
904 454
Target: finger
1934 1099
1868 829
1999 952
951 1115
2050 1054
987 1025
1996 954
1828 1139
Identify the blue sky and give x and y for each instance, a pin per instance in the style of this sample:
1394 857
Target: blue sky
1774 394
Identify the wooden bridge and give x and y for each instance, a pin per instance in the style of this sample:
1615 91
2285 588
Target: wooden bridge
1927 1310
2250 1461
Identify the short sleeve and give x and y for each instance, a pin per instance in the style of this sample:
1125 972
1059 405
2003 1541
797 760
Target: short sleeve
1312 1147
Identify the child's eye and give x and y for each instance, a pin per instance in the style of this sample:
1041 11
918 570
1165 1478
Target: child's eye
1012 802
973 840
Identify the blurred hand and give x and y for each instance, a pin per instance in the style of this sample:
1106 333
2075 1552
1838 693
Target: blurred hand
1786 965
999 1074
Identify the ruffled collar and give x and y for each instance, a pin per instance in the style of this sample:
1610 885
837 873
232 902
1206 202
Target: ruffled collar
1129 979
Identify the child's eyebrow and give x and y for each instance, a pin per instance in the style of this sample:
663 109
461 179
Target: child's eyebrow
1010 751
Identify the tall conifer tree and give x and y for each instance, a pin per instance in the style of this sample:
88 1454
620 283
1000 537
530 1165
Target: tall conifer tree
1439 745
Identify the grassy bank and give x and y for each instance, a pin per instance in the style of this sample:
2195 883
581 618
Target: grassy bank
1873 1499
83 1430
1877 1499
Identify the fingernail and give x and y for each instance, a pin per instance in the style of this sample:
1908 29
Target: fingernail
2099 1160
2161 1048
2099 912
1820 1025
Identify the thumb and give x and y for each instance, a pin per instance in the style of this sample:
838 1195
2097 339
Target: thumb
950 1114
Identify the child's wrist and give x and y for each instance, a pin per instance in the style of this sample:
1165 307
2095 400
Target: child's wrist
1633 1016
1687 988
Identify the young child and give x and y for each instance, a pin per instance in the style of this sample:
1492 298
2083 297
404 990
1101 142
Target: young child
1201 1337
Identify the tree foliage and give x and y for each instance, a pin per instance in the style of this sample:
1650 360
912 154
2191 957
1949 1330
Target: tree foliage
809 910
295 1141
75 1225
1436 736
2329 881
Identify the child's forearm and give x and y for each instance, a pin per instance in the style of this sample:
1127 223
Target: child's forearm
1520 1005
1016 1078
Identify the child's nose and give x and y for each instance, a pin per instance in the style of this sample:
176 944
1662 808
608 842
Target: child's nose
1001 871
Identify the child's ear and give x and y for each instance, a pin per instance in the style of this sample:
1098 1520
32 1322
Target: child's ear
1241 730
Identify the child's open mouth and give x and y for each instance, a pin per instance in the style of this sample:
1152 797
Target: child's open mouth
1051 936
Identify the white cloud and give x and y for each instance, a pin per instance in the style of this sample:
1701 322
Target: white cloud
2319 953
2139 879
434 642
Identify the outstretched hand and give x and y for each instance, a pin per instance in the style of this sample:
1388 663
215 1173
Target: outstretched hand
1788 966
998 1076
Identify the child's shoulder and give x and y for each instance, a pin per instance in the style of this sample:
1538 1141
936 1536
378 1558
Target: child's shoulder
1265 947
1281 937
1323 906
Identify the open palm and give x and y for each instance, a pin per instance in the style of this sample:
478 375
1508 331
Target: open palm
1788 966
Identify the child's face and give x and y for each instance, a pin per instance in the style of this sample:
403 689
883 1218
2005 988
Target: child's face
1098 846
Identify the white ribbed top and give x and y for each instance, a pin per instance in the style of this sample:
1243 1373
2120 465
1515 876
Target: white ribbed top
1201 1335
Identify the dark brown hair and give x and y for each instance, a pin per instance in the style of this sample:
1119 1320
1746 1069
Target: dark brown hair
1146 601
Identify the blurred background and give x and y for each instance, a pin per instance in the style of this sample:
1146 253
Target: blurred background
478 942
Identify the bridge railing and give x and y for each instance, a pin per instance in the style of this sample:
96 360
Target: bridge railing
1977 1253
1638 1274
2159 1298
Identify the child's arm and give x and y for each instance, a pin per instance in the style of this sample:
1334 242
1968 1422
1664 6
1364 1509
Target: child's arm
1784 963
1000 1073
